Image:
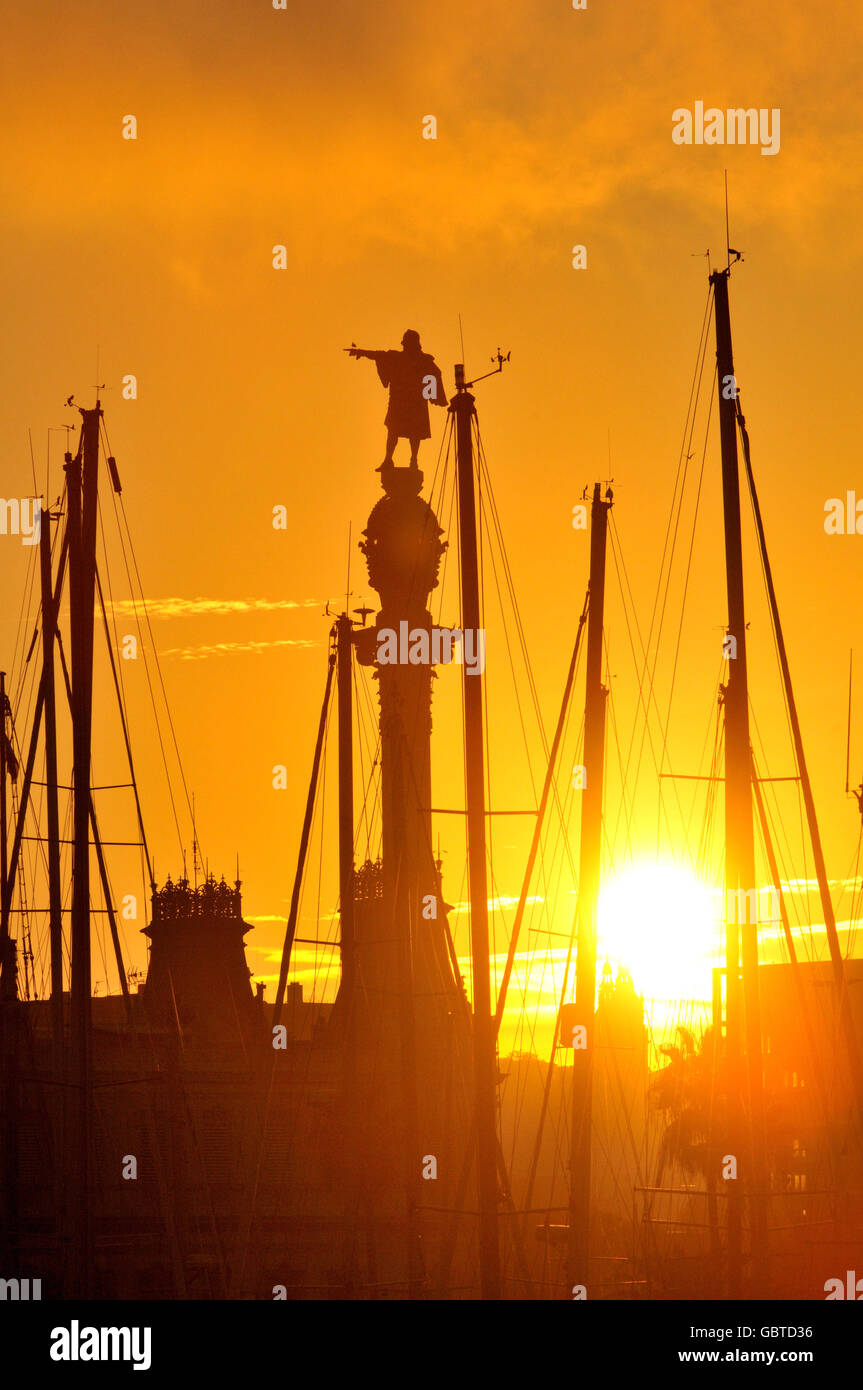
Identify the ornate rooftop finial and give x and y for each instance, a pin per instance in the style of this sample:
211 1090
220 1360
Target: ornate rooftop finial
180 900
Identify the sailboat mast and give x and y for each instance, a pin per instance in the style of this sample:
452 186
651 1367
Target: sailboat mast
294 910
9 1029
55 919
743 1011
82 473
346 804
588 893
846 1020
485 1052
347 940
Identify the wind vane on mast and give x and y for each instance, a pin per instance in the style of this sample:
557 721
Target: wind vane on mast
460 382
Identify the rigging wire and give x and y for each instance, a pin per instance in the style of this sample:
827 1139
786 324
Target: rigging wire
127 549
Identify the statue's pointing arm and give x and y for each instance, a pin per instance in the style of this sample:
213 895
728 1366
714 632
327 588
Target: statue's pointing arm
379 359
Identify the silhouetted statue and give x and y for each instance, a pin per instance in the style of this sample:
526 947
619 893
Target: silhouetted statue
414 379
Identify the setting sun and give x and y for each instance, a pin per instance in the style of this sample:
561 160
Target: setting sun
659 922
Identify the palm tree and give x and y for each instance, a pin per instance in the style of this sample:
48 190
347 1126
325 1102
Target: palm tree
692 1092
695 1093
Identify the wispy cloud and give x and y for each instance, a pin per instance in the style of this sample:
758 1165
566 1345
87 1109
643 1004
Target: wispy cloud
206 607
458 909
810 885
273 956
234 648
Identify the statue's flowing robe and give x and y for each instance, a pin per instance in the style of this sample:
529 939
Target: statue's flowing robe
405 374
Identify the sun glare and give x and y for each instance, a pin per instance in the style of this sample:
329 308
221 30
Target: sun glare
659 922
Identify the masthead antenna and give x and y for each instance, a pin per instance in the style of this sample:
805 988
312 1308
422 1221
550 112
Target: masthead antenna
194 843
33 466
99 386
348 580
730 254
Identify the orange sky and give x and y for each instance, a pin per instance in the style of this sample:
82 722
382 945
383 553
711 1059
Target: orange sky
258 127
